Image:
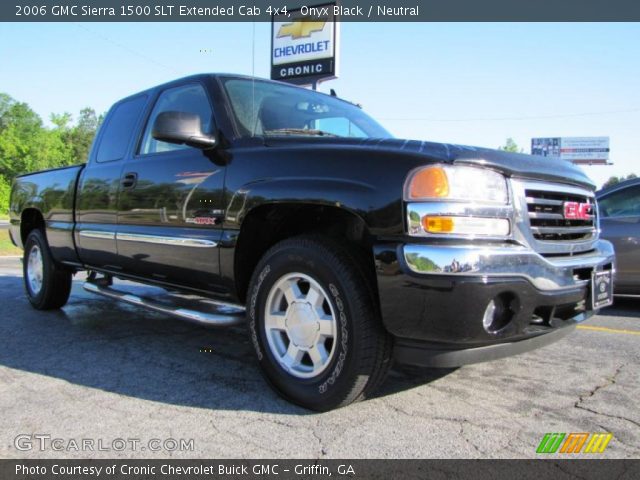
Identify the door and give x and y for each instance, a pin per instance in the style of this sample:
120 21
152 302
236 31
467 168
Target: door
99 185
170 215
620 224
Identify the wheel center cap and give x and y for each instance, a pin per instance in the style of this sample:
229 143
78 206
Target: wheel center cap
302 324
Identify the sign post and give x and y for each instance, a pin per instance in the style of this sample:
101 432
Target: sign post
304 45
578 150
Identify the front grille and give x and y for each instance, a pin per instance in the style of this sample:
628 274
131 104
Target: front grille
547 216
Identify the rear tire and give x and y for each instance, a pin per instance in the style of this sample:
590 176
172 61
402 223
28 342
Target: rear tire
314 324
47 285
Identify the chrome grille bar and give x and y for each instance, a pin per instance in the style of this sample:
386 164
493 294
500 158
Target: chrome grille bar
545 206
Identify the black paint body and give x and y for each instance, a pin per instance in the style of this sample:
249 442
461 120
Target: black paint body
362 178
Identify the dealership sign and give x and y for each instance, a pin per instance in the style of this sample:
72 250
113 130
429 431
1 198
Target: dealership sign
304 45
580 150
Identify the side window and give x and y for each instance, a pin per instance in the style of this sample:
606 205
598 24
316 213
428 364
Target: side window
119 129
188 98
623 203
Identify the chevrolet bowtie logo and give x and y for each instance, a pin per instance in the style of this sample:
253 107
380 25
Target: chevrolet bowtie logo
300 29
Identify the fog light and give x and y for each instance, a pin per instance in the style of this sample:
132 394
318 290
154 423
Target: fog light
499 312
489 313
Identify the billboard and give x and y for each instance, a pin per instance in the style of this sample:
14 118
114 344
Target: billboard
304 45
579 150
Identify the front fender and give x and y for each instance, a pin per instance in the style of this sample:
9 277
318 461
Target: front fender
359 198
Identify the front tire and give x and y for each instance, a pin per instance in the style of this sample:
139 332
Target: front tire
314 324
47 285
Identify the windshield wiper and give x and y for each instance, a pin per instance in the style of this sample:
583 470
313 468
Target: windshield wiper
300 131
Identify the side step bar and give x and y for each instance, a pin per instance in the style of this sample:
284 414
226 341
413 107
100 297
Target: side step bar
225 316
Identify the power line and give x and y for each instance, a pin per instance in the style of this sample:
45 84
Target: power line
124 47
497 119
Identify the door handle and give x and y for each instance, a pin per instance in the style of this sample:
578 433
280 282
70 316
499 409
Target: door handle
129 180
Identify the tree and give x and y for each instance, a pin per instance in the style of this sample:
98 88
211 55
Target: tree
5 190
26 145
19 128
615 180
82 134
510 146
611 182
61 121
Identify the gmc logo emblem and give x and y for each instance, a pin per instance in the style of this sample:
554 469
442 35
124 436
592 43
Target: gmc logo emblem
577 211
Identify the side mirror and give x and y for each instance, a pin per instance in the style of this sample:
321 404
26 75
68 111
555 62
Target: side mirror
182 127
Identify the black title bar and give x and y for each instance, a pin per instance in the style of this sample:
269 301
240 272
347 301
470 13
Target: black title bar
348 10
306 469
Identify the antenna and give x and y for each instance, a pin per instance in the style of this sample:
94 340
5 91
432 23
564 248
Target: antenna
253 77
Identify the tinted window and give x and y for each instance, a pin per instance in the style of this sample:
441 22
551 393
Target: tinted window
119 128
266 108
623 203
190 99
340 126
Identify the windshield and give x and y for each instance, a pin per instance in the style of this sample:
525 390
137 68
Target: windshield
266 108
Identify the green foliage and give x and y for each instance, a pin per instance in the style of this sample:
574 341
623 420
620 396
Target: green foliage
6 245
5 191
615 180
423 264
26 145
510 146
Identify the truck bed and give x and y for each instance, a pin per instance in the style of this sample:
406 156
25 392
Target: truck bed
52 192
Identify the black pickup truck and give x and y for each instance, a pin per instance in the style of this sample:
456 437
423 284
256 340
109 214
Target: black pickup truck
341 247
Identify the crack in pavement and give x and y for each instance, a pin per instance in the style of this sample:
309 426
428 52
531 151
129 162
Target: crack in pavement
323 450
461 423
609 381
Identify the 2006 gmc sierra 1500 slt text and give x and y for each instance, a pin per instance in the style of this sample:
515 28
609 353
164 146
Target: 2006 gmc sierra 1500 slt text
341 247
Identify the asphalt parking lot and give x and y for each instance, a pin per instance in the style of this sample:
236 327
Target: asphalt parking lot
102 371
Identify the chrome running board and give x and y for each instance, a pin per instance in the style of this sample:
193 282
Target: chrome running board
225 315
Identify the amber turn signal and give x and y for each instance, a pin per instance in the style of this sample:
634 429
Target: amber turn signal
429 183
437 224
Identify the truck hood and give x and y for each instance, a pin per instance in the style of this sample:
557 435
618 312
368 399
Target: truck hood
511 164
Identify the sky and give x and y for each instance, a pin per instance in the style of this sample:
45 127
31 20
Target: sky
464 83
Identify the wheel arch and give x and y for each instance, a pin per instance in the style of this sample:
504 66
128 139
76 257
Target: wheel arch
30 219
269 223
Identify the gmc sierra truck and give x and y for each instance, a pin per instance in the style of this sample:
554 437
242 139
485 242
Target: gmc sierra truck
342 248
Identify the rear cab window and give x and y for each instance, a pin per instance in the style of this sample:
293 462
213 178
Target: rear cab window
119 128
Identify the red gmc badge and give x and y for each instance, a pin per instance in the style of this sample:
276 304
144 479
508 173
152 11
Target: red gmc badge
577 211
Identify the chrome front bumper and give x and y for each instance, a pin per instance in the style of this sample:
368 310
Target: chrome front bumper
508 260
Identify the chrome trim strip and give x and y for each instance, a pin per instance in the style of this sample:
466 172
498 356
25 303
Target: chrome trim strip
546 216
456 209
557 188
506 261
225 317
161 240
543 201
99 234
461 209
563 230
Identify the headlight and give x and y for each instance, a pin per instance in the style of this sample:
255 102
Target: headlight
456 183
